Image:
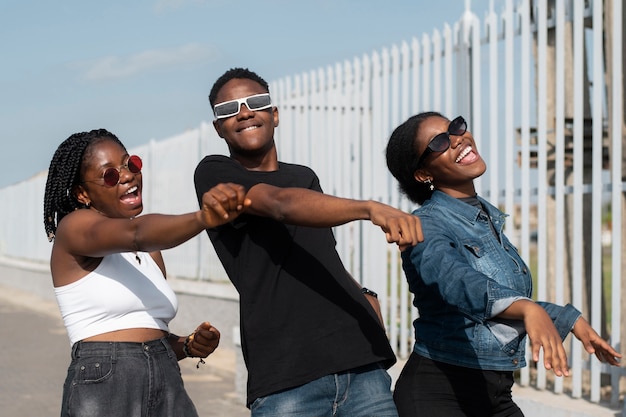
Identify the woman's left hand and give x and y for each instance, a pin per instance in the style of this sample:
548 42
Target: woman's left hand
594 344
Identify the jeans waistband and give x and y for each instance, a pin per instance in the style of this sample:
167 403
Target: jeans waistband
115 349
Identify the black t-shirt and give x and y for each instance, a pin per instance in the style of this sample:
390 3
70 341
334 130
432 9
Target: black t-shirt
302 316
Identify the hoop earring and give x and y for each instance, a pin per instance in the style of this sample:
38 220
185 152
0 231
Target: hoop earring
88 204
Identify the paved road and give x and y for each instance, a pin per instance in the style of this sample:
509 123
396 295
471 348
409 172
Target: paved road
35 354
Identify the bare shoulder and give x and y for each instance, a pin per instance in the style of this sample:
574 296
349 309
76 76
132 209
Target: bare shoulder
67 268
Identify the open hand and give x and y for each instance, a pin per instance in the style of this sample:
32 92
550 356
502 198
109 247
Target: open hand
594 344
543 335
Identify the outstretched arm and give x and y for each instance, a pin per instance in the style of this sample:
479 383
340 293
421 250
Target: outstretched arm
88 233
311 208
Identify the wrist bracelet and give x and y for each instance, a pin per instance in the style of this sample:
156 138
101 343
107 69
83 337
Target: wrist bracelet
187 352
186 347
367 291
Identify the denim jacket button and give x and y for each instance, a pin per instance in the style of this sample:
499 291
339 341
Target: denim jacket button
515 361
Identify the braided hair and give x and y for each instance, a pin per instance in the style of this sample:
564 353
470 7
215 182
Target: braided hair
402 158
244 73
65 173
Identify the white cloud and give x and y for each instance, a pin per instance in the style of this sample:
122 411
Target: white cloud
116 67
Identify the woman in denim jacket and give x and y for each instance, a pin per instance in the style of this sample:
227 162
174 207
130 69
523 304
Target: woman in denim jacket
472 289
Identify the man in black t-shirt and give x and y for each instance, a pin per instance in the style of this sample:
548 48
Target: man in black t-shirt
312 341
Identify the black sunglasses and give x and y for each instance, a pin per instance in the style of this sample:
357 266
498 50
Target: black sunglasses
441 142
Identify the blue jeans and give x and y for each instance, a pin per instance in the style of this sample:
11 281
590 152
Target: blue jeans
120 379
364 391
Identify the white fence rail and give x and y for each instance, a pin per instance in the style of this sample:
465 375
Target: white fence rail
546 155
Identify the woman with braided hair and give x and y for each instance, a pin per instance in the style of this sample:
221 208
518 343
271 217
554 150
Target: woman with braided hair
109 280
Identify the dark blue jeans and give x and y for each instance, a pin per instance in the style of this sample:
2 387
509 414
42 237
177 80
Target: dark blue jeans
120 379
435 389
360 392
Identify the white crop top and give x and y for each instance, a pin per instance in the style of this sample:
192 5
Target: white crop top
121 293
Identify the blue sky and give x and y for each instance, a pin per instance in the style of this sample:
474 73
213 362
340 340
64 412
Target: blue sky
143 68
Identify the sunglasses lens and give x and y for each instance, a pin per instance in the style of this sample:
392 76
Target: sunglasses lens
458 126
111 177
259 102
440 143
134 164
226 109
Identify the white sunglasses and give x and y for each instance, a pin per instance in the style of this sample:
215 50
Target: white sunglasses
231 108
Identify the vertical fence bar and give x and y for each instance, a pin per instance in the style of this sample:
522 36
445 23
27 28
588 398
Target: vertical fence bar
577 197
617 192
448 83
524 11
509 126
559 164
436 64
342 148
597 193
476 110
415 77
356 129
494 136
373 272
542 166
426 78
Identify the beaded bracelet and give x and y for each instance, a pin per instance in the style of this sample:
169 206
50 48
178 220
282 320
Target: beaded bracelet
186 351
186 347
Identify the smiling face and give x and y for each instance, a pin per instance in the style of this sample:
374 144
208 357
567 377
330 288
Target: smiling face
452 171
122 200
249 134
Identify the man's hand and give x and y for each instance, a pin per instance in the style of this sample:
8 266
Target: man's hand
223 203
402 228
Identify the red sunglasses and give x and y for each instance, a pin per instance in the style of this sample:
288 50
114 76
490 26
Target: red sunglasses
111 175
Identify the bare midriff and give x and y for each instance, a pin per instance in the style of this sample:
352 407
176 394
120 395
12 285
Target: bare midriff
128 335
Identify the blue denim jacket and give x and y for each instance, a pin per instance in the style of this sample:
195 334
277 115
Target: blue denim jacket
462 277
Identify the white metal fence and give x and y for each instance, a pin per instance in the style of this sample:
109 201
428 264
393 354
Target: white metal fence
544 151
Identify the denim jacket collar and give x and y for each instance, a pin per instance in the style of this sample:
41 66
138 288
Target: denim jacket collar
464 210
